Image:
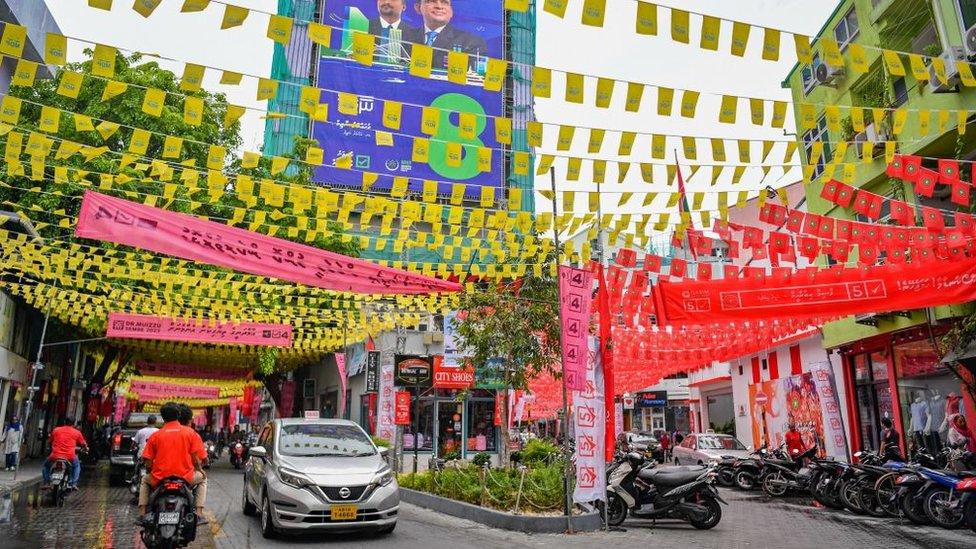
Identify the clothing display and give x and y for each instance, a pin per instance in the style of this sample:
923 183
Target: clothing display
920 415
937 414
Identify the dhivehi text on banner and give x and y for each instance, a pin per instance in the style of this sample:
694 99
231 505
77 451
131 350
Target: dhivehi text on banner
829 293
472 28
189 371
589 423
112 219
575 301
135 326
153 390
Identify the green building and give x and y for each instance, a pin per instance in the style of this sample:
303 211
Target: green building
891 360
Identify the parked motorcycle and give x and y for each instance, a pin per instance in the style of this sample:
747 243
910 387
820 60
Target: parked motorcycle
643 491
781 476
824 489
967 487
747 471
172 520
848 485
725 471
939 499
237 454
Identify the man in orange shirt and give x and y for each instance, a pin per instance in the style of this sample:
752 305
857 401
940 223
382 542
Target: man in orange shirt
794 442
64 438
173 451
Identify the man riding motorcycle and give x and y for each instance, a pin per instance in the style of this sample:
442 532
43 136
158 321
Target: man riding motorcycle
64 438
142 435
174 450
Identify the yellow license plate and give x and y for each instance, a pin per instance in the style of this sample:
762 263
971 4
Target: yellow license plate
344 512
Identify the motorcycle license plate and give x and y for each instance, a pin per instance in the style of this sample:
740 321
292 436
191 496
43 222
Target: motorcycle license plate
344 512
57 477
169 518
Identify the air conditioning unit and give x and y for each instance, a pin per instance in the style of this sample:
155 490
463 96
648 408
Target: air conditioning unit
828 75
949 57
971 42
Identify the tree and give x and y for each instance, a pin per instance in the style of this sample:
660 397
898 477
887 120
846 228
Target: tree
518 322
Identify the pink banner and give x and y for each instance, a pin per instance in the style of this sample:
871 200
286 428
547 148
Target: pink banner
187 329
575 300
115 220
340 359
232 414
155 390
189 371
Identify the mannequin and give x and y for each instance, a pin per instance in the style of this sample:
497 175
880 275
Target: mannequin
937 418
920 418
953 402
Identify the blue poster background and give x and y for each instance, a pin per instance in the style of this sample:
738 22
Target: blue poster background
388 79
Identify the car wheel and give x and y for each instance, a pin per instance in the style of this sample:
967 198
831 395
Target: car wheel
267 523
386 530
700 462
248 508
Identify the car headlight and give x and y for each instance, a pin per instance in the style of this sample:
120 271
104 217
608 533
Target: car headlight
293 478
384 477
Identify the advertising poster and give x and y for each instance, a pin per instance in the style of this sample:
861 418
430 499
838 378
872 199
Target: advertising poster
472 27
589 423
385 425
575 301
453 355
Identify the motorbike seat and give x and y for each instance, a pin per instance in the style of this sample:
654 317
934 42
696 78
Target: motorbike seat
875 469
672 476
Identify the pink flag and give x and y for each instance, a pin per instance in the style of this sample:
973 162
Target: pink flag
340 359
115 220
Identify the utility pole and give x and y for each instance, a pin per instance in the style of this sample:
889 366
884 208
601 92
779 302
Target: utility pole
568 473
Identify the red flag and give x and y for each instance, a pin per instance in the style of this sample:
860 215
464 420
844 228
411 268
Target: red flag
965 222
896 168
826 229
902 213
948 171
925 181
960 192
626 257
606 356
652 263
829 190
932 219
910 167
794 221
845 194
678 267
704 271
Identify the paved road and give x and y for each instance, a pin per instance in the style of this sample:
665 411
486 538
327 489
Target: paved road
99 516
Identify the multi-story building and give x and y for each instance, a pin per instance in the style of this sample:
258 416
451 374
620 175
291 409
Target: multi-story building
891 362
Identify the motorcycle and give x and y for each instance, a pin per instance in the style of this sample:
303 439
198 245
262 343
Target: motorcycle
725 471
60 478
886 493
172 520
967 487
939 499
135 481
237 454
780 476
824 489
647 492
211 454
746 471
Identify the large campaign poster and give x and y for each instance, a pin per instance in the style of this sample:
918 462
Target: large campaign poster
475 27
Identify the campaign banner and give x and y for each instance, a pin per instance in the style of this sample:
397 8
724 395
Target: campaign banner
575 301
589 424
385 424
134 326
402 413
112 219
160 369
154 390
834 434
372 371
473 28
453 354
829 292
340 360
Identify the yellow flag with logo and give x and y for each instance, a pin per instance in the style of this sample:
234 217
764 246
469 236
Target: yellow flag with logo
215 157
152 103
859 59
626 144
230 78
13 40
113 89
533 130
574 88
267 89
740 38
348 103
596 140
727 110
103 61
604 92
430 120
757 110
363 46
711 28
665 99
680 27
232 114
718 149
193 110
24 73
831 51
659 146
457 67
467 125
234 16
495 74
50 119
421 150
646 20
139 143
279 29
898 121
893 63
145 8
966 74
635 92
541 82
172 147
452 154
503 130
106 129
421 60
392 112
771 40
594 12
70 84
192 78
919 70
804 53
320 34
55 49
278 164
555 7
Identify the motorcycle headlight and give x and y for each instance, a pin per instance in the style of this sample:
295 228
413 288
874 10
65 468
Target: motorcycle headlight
293 478
384 477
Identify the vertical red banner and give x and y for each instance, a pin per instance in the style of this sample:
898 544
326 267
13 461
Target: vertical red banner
401 408
575 302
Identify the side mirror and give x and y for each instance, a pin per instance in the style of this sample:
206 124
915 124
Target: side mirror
384 451
259 452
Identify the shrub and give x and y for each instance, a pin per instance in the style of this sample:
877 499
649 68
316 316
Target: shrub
542 488
539 452
381 442
481 459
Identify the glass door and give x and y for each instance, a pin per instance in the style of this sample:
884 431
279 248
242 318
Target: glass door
449 429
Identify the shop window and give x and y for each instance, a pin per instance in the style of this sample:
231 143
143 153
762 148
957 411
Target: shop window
482 433
924 387
422 432
847 29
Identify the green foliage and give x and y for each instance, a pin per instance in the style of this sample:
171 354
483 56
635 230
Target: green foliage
381 442
267 358
452 455
542 487
481 459
539 452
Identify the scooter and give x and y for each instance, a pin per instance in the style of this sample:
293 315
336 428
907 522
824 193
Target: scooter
237 452
779 477
939 498
646 492
746 471
967 487
172 519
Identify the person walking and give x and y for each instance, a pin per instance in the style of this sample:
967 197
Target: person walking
12 437
665 441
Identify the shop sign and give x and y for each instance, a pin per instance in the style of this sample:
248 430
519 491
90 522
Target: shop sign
649 399
628 403
402 408
452 377
372 371
414 370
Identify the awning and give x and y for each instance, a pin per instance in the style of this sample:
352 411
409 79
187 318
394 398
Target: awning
711 381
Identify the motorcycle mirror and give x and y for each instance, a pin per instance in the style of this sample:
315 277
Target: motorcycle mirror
259 452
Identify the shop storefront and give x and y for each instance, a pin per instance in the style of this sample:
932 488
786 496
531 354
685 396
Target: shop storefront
900 376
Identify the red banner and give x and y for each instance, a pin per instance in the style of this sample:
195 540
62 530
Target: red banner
115 220
575 299
133 326
829 293
401 408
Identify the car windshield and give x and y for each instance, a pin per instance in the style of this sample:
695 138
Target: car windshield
719 443
316 439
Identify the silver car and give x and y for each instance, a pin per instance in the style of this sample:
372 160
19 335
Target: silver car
705 448
319 475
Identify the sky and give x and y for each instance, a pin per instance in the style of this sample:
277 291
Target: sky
612 51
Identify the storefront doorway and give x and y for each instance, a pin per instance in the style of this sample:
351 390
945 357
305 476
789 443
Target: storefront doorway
873 395
449 429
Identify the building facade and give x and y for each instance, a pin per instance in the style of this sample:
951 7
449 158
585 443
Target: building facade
890 363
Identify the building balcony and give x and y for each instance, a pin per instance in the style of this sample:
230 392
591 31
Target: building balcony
887 13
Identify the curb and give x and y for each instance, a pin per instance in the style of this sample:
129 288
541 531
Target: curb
587 522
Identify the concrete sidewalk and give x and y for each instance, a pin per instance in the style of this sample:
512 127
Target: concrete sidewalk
29 473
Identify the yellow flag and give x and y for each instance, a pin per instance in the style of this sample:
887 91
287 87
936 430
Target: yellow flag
348 103
193 110
966 74
679 25
898 121
113 89
421 60
503 130
646 20
808 116
487 196
919 70
392 113
457 67
70 84
541 82
139 143
711 27
635 91
596 140
771 39
50 119
421 150
383 139
604 92
24 73
103 61
832 115
730 104
740 38
626 144
804 53
363 46
55 49
230 78
234 16
467 125
215 157
172 147
521 161
859 59
757 110
594 12
152 103
555 7
278 164
279 29
517 5
857 119
924 121
689 148
893 62
565 138
495 74
779 114
320 34
831 51
145 7
309 97
83 123
452 154
13 40
430 120
107 129
267 89
232 114
193 6
665 98
192 77
659 146
718 149
574 88
940 69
